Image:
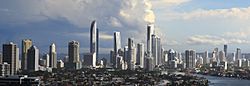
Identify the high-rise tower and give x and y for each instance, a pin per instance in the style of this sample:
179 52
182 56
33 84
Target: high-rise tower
117 46
238 54
150 32
97 44
225 50
74 54
190 56
140 55
33 59
11 56
117 42
26 44
93 35
52 56
93 41
131 60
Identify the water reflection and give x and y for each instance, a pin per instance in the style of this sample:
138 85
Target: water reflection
223 81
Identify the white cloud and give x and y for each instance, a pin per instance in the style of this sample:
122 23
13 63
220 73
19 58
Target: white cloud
244 33
231 13
160 3
214 40
105 36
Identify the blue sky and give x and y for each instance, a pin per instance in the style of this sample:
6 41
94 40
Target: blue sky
182 24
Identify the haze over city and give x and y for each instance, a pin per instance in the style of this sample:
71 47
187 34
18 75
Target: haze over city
181 24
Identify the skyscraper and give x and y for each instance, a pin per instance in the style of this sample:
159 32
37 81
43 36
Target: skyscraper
93 41
33 59
238 54
150 32
205 57
216 52
117 46
93 35
52 56
74 54
46 57
154 49
26 44
171 55
117 41
222 56
11 56
190 56
159 57
131 60
125 53
140 55
112 58
225 50
97 44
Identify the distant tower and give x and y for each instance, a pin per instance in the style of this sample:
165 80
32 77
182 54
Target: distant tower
97 44
117 46
154 49
171 55
222 56
33 59
140 55
205 57
126 53
52 56
150 32
238 54
159 47
216 52
93 41
131 60
225 50
46 57
11 56
26 44
190 58
117 41
74 54
93 35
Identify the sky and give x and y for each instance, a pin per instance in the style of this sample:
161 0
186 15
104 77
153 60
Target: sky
182 24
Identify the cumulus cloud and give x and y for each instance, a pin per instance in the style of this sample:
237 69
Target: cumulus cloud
214 40
130 17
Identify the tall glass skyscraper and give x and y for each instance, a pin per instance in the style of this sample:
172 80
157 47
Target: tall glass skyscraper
52 56
74 54
150 32
11 56
93 35
26 44
93 41
140 55
190 56
117 46
33 59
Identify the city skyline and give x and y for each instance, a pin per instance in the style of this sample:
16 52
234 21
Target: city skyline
194 24
124 42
